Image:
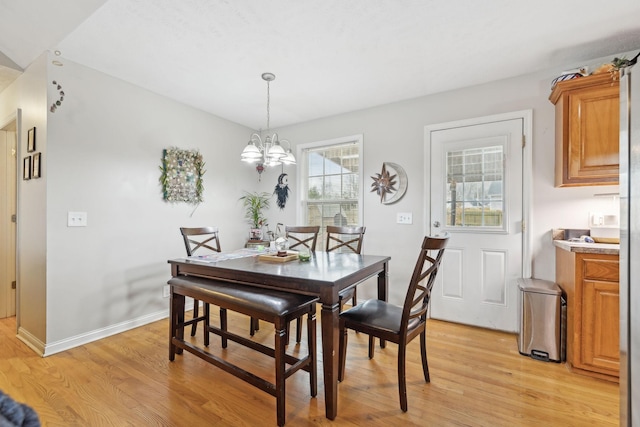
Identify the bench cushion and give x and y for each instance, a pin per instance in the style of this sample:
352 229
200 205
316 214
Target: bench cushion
267 302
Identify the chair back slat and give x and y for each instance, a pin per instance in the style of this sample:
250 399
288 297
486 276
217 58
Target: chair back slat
302 235
200 238
423 278
347 238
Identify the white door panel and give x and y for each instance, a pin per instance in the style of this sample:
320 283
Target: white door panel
477 198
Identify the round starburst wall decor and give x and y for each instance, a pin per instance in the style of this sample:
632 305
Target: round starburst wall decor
390 184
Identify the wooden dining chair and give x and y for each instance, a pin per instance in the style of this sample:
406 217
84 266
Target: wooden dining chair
345 239
398 324
206 239
202 240
301 236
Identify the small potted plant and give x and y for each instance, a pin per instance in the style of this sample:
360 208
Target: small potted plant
253 204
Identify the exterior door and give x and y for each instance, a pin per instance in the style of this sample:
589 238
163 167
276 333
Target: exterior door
477 198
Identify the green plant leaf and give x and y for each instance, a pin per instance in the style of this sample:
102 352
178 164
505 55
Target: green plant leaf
254 203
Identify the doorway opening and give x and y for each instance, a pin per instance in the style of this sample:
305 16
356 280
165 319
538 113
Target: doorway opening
8 216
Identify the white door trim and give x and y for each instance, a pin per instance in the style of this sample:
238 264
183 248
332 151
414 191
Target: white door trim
15 118
527 173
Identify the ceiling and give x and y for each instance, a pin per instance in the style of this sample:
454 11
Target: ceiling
329 56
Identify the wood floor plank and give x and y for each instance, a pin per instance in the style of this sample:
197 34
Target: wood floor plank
478 378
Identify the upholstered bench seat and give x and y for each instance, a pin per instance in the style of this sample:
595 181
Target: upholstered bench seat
268 303
276 307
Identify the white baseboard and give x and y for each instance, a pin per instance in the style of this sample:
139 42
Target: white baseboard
31 341
48 349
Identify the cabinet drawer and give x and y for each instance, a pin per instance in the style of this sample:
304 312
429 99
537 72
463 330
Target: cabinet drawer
598 269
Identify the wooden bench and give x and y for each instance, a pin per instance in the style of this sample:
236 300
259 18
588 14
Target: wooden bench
276 307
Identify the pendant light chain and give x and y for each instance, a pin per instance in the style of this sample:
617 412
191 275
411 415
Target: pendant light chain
268 102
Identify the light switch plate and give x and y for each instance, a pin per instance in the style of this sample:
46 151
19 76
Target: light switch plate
76 219
404 218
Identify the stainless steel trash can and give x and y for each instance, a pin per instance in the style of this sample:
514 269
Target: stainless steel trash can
542 320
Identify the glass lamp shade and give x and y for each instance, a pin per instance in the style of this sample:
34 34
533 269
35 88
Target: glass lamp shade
276 151
288 159
251 153
272 162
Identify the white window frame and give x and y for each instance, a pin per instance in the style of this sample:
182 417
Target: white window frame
302 175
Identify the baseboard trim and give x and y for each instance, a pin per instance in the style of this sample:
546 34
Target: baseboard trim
31 341
48 349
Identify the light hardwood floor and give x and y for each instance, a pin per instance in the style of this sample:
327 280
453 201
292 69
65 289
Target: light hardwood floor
478 378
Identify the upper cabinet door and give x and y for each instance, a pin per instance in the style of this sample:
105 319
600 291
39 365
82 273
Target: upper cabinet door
587 130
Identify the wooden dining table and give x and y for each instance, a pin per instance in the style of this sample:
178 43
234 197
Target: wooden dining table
325 276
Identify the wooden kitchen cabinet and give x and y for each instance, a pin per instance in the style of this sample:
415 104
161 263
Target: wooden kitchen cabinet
591 283
587 130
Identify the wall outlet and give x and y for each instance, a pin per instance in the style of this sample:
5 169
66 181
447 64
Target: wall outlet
76 219
596 219
404 218
165 291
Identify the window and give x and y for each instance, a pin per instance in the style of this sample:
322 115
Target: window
475 196
330 183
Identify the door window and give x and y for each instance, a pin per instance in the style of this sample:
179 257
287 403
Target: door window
474 187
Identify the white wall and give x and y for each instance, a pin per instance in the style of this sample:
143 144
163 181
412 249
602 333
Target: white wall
395 133
103 158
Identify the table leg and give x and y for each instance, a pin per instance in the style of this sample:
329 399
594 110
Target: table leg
330 331
383 283
383 286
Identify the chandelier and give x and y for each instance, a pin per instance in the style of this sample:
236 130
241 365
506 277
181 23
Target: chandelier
267 152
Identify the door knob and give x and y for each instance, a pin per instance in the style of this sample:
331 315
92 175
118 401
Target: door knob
436 224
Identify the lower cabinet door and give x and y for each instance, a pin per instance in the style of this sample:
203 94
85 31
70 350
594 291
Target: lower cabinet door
600 327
